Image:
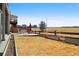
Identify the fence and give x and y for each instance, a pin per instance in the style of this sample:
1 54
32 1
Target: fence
67 37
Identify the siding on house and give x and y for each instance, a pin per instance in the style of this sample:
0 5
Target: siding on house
0 27
5 19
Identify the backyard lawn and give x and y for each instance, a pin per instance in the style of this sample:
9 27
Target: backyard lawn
39 46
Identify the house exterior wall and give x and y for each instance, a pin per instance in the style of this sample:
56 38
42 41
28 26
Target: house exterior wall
0 27
7 46
3 22
7 23
4 19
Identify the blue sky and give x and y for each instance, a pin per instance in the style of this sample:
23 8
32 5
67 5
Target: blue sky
55 14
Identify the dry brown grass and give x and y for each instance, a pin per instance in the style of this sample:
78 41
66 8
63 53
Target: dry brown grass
38 46
73 30
51 29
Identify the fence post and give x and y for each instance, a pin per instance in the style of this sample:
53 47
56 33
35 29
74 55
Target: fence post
55 33
39 32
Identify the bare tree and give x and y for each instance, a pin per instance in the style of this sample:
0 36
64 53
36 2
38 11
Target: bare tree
42 25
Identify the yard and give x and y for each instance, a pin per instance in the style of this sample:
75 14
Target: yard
59 29
39 46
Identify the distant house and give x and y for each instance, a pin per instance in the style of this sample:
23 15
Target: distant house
13 23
